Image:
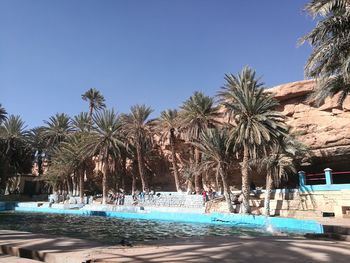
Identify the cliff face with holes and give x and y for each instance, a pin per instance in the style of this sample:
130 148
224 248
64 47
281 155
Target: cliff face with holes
324 129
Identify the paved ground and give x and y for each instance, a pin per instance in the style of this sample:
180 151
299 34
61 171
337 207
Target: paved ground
334 221
205 249
12 259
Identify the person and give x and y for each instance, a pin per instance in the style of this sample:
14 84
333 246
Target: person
210 193
252 186
151 194
134 197
52 201
205 196
121 199
117 196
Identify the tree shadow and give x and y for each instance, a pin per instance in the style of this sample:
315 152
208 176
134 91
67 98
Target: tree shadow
199 249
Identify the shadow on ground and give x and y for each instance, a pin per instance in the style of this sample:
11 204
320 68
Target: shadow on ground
205 249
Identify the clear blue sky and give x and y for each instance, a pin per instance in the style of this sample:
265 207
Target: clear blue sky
156 52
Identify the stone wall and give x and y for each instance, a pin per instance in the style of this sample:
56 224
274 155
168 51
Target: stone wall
167 200
293 203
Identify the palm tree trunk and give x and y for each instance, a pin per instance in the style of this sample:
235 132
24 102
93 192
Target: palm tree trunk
245 181
104 183
226 189
81 184
176 172
133 184
105 160
269 182
69 185
141 166
189 186
217 180
74 185
123 174
197 179
91 110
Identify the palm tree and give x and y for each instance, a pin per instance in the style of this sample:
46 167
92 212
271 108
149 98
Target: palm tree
105 143
61 168
329 61
14 150
198 114
96 101
81 124
38 145
138 128
13 133
57 130
257 124
216 147
168 124
3 114
277 165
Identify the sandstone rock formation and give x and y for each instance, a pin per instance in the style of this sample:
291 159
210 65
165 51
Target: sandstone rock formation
325 129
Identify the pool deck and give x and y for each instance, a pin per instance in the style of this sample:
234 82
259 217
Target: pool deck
204 249
12 259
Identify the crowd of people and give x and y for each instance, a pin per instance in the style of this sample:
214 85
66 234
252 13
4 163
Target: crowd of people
117 199
208 195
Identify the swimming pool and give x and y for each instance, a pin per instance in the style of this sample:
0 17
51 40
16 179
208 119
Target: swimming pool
111 231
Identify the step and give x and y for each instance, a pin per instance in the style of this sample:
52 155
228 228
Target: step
299 213
342 230
329 236
13 259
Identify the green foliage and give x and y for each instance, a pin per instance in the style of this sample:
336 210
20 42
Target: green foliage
81 122
136 125
329 61
167 125
281 157
198 113
3 114
252 110
216 147
57 130
95 99
105 139
15 154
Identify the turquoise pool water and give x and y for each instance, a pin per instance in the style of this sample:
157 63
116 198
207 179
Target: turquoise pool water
113 230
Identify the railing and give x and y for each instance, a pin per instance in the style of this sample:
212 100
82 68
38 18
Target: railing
328 180
317 178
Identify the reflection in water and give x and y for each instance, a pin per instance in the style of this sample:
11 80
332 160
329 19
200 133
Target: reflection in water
112 230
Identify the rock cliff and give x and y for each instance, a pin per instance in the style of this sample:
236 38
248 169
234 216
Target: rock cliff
324 129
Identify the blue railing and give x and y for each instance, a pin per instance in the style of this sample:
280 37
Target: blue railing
327 181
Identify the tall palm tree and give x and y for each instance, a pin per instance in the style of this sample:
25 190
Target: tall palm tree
257 123
14 150
329 61
57 129
3 114
168 124
137 127
61 167
216 147
13 133
81 124
95 99
198 114
38 145
105 143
